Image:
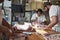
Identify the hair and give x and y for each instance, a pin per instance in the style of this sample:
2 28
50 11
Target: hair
40 10
47 3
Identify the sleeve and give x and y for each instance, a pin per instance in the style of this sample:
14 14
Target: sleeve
34 17
53 11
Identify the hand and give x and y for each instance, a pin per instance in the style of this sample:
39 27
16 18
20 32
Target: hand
48 28
33 23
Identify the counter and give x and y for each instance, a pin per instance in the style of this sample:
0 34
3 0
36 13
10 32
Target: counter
38 36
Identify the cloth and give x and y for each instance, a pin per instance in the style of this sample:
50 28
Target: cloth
55 11
38 18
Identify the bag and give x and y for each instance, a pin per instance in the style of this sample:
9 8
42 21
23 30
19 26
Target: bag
1 1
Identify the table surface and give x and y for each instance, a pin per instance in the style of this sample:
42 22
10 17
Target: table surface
36 36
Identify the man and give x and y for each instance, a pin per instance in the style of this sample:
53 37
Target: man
3 28
54 13
38 17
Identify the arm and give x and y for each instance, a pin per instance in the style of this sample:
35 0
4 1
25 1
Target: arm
34 17
53 22
53 13
5 29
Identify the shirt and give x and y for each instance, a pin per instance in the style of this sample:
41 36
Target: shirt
55 11
38 18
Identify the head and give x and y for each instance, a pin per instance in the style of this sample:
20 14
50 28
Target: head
39 12
47 6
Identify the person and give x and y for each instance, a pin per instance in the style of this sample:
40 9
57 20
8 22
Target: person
54 13
38 17
4 29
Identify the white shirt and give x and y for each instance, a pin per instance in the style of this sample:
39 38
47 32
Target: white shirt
38 18
55 11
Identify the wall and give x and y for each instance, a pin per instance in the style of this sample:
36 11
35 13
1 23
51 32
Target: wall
35 5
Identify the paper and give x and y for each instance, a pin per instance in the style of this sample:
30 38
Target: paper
27 32
40 26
